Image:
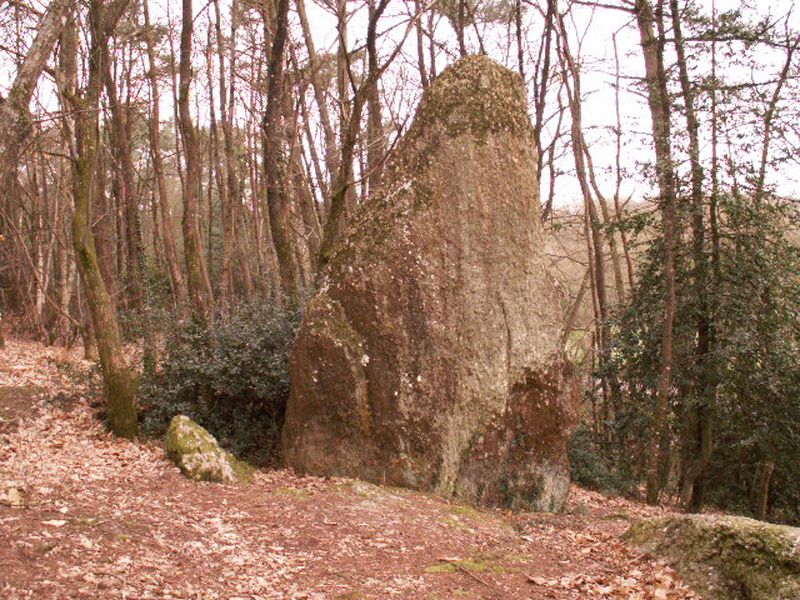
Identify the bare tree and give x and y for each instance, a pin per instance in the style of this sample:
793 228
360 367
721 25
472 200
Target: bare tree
200 294
120 381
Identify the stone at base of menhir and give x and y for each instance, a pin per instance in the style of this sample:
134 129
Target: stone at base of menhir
199 456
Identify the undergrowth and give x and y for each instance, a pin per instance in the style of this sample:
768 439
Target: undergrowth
230 376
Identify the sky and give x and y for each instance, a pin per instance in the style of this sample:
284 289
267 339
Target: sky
594 29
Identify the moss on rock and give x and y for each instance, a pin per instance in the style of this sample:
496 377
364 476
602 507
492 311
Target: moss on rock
726 558
199 456
430 356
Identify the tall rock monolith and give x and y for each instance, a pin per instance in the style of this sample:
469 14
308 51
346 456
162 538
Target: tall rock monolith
430 355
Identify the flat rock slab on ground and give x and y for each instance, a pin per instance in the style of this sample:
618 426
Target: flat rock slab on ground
725 556
108 518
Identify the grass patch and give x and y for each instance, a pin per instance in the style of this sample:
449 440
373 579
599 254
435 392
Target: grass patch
475 565
292 492
456 523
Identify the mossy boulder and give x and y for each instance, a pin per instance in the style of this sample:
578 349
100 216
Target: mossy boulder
726 558
199 456
430 356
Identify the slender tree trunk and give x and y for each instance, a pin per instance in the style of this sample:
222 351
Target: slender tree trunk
698 429
376 146
104 221
618 167
461 17
232 197
162 197
200 294
277 198
431 45
350 124
762 494
541 81
519 41
586 179
218 175
769 115
121 382
658 102
14 116
346 111
124 186
423 71
328 132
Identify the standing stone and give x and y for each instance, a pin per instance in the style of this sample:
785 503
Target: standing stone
430 356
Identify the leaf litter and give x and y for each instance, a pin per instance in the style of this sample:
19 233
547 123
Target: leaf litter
87 515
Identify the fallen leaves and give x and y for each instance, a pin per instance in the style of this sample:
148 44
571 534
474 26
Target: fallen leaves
12 496
54 522
661 585
83 514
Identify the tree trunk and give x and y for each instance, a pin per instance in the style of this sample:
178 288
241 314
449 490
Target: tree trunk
120 381
658 102
124 186
461 17
329 135
423 72
698 428
350 125
200 294
154 136
762 494
14 125
376 144
231 198
277 198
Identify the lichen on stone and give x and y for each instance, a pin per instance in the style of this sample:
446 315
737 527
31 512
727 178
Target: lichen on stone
478 96
430 356
726 557
199 456
475 97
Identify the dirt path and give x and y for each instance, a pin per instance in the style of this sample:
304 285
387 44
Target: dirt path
106 518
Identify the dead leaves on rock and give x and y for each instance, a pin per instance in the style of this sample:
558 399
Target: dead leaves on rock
659 584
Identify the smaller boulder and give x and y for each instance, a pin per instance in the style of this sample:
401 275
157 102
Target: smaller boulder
199 456
725 557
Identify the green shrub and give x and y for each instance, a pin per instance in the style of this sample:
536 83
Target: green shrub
230 376
592 468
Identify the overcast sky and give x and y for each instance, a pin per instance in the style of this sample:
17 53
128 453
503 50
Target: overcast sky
595 28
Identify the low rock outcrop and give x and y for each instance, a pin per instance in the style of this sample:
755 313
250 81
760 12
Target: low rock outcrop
199 456
430 356
726 558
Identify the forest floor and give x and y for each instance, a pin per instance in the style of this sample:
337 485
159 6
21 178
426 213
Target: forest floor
85 515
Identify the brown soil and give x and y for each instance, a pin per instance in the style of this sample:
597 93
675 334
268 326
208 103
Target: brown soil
108 518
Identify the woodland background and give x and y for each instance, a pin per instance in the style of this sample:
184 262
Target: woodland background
175 178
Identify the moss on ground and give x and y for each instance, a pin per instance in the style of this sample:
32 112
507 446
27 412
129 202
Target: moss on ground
726 558
456 523
466 511
464 517
478 564
292 492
